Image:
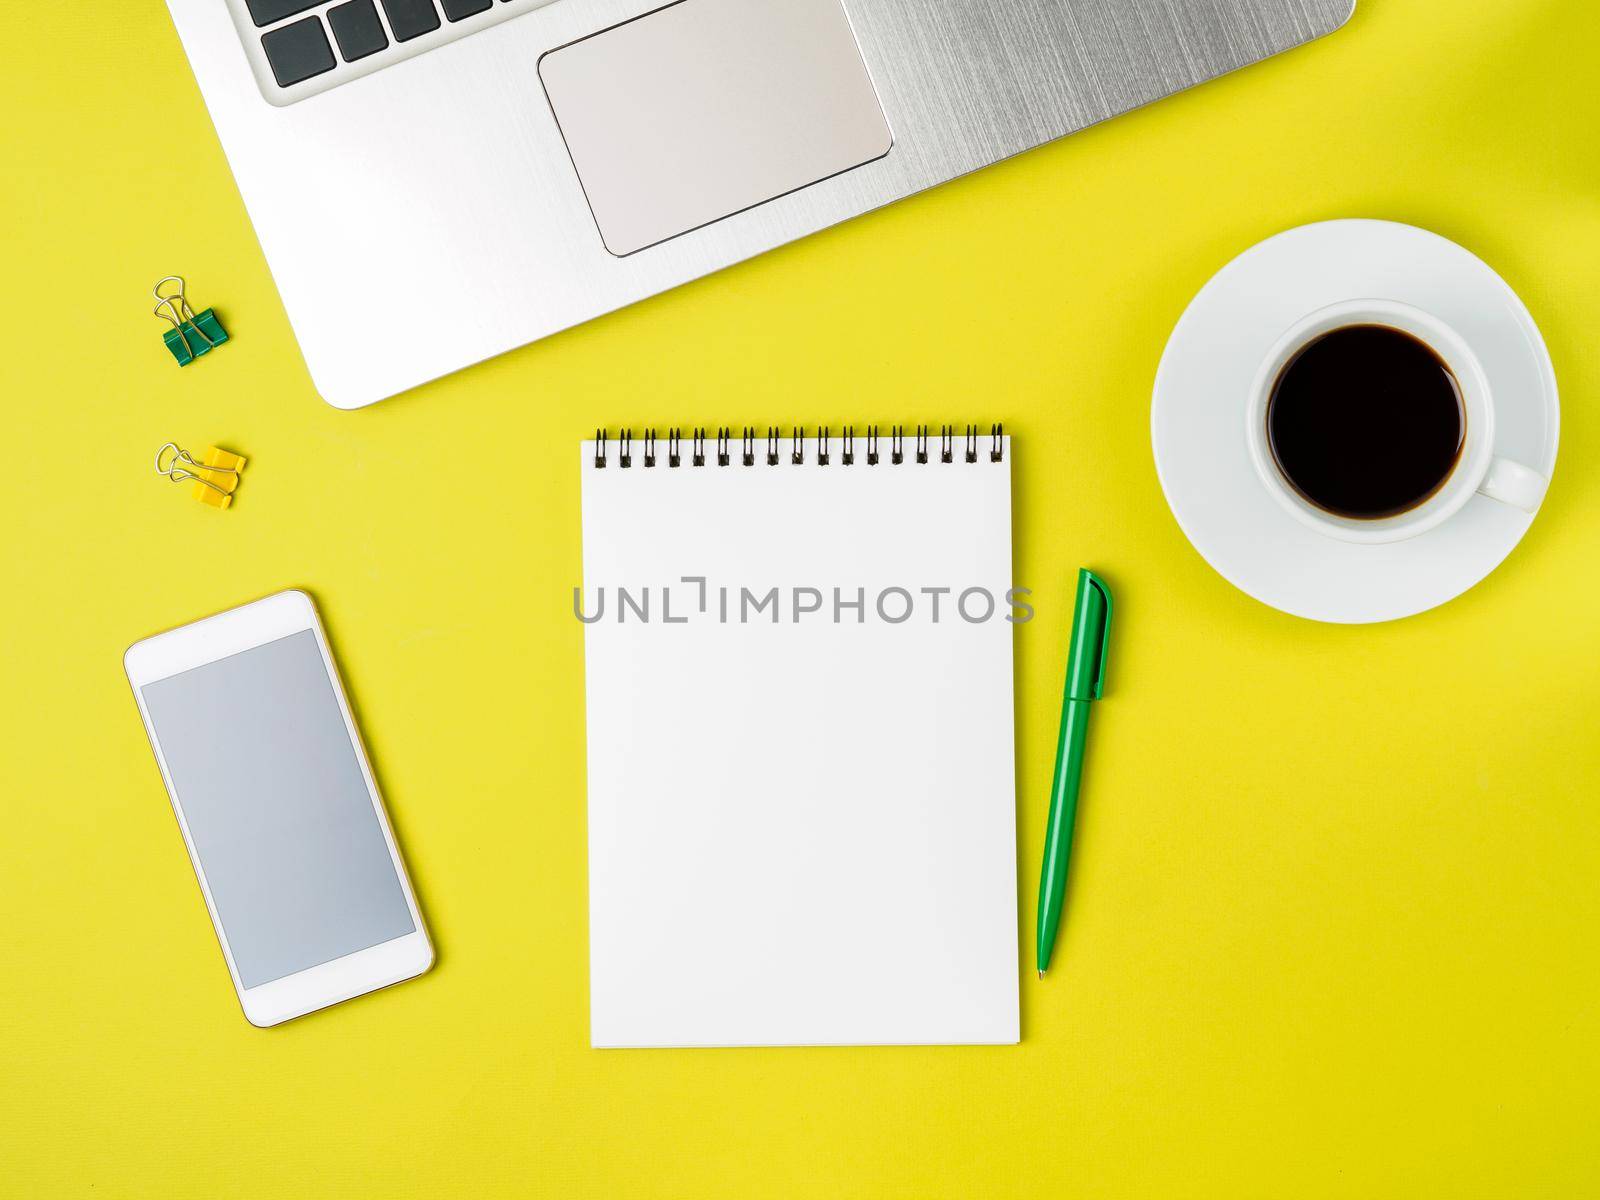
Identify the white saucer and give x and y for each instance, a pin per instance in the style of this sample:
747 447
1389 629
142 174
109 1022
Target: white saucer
1204 379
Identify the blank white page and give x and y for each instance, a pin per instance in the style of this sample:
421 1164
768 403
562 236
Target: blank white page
801 831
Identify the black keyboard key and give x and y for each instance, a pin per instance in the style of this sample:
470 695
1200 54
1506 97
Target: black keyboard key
265 12
357 29
411 18
457 9
298 51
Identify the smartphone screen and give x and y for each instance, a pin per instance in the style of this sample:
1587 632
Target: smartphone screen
277 807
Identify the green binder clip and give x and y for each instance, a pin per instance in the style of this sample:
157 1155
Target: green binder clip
190 335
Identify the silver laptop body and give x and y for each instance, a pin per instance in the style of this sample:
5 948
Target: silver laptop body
436 182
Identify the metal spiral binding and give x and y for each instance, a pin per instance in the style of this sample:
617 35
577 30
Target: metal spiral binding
749 436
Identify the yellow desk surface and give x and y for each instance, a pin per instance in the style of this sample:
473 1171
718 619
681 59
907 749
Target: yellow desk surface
1333 925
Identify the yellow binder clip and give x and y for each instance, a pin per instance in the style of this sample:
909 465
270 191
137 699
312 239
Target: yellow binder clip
215 478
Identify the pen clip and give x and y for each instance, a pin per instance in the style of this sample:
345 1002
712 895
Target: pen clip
1088 578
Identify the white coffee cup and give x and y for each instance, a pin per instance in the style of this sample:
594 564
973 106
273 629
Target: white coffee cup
1477 470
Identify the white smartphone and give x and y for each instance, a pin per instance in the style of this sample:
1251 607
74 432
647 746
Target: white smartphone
277 804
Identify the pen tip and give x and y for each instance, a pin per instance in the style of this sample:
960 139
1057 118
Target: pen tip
1041 972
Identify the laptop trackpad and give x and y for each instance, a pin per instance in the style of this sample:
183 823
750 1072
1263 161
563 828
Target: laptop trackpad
704 108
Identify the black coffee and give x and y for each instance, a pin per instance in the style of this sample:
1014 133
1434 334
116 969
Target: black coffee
1366 422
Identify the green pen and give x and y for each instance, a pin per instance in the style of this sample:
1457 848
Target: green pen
1086 675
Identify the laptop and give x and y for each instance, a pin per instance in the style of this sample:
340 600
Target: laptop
435 182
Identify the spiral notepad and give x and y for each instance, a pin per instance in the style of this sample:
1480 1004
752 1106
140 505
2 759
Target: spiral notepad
800 736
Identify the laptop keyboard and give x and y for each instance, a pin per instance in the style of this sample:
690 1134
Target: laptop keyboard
302 47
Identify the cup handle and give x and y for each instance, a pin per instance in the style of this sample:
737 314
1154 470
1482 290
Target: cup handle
1514 484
